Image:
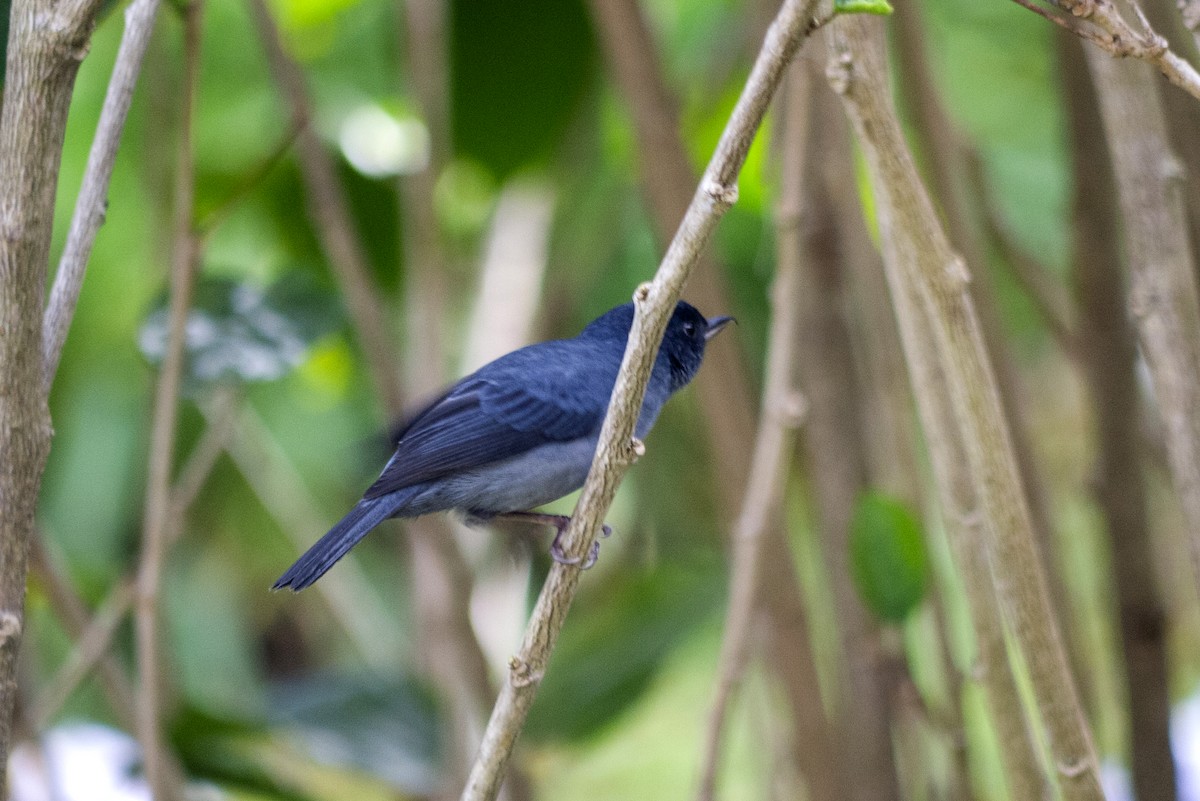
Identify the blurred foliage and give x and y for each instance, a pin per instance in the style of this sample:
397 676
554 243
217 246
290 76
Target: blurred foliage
887 556
626 689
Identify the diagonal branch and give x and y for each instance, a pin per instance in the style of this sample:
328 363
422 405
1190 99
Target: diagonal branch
782 409
92 204
157 522
617 449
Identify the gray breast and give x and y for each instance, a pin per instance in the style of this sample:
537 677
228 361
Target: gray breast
523 482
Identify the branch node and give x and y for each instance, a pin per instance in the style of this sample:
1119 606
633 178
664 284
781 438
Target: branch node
521 673
792 408
1074 770
642 293
10 627
636 450
840 72
724 195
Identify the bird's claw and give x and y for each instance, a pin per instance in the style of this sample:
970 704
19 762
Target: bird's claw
557 554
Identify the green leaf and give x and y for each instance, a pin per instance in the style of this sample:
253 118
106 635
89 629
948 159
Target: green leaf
879 7
519 73
241 332
887 555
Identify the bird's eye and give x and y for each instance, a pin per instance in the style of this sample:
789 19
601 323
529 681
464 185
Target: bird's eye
689 329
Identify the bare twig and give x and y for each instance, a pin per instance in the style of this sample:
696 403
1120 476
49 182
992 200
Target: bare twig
1102 23
723 388
617 449
331 215
92 205
185 259
920 261
47 40
89 649
210 221
221 412
782 410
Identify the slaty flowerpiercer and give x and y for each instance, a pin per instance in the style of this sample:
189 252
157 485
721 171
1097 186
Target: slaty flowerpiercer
515 434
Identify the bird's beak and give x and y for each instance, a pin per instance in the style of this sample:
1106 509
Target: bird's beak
715 325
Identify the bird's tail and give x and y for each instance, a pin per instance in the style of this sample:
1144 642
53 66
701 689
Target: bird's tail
366 515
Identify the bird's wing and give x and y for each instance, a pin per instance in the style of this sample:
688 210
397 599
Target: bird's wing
493 415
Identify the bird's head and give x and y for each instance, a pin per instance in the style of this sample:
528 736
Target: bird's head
688 331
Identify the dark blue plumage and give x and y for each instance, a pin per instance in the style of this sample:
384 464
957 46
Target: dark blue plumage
518 433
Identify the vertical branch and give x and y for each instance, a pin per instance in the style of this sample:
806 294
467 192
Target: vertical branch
837 464
918 255
617 449
91 206
47 40
185 257
668 181
782 407
331 214
1109 351
1162 290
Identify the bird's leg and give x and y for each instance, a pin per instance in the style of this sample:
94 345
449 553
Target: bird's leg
559 523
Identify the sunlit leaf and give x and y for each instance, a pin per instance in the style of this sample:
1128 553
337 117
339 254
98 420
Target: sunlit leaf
879 7
240 332
887 552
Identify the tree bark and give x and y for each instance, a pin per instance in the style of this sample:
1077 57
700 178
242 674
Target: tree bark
837 469
47 41
919 258
1109 350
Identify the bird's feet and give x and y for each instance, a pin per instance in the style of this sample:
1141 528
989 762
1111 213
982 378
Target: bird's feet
560 523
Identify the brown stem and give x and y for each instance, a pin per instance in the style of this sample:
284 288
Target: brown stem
726 398
47 40
156 523
617 449
782 410
919 259
331 214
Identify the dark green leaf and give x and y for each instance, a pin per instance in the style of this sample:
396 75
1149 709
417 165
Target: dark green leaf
887 552
240 332
519 72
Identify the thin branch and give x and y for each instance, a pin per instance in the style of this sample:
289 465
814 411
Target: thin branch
1101 23
92 204
89 649
273 478
221 412
726 399
921 264
75 618
782 411
617 449
330 213
210 221
185 259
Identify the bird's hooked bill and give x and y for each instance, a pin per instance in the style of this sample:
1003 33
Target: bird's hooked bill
716 324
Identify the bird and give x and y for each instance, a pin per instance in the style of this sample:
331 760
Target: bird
514 435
